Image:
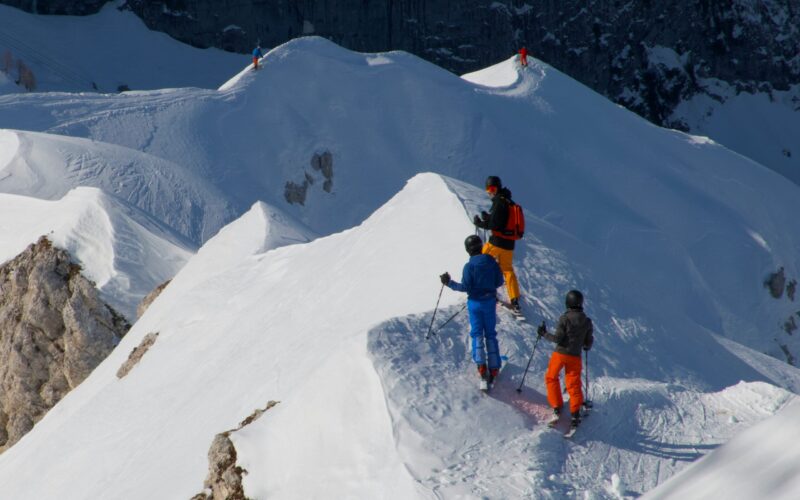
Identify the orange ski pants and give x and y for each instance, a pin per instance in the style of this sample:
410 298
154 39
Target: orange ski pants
505 258
572 378
255 63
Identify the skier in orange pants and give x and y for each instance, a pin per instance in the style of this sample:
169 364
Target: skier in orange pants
573 333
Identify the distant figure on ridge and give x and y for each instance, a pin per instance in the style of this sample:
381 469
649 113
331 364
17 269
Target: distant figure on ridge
573 333
256 56
523 57
507 224
480 279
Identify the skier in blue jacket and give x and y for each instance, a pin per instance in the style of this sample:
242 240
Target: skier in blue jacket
256 56
480 280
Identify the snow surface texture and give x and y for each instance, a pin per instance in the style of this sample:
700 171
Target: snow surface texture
105 51
670 236
761 462
304 325
772 137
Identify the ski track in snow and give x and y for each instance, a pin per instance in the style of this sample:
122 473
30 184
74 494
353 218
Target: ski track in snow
640 430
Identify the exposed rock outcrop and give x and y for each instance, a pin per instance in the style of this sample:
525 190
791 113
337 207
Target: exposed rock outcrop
58 7
54 330
224 479
149 298
137 354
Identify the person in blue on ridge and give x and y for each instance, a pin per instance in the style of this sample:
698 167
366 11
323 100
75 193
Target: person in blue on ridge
480 279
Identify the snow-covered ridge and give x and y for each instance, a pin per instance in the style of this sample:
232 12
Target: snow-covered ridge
123 250
342 319
47 166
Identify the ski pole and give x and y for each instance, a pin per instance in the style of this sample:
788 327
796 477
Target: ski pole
439 328
519 389
587 402
427 335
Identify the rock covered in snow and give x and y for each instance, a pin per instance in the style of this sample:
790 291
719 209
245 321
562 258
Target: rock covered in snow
54 330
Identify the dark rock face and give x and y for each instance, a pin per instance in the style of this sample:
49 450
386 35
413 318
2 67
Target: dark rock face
646 55
58 7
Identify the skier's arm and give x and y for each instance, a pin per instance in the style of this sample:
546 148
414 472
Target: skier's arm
466 278
560 333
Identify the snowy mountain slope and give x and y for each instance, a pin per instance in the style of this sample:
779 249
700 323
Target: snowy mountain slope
648 203
124 251
669 235
367 407
772 137
277 326
48 166
102 52
758 463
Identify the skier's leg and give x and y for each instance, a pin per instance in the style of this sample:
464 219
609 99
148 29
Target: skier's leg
551 381
476 332
505 259
489 308
573 382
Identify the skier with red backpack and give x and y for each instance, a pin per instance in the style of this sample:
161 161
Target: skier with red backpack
507 223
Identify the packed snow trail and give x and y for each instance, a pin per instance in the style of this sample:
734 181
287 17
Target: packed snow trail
461 443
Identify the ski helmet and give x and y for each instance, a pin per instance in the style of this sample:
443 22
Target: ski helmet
473 244
493 181
574 299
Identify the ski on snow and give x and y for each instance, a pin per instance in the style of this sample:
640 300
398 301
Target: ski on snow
485 384
517 314
585 411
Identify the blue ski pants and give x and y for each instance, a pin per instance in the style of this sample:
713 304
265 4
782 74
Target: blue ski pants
483 320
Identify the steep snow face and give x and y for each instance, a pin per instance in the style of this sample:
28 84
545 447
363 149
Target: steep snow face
771 138
288 325
48 166
761 462
122 250
104 52
334 330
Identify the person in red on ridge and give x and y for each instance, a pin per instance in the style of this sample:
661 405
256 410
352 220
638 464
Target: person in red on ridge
523 56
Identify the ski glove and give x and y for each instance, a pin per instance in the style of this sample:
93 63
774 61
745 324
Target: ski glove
445 279
542 329
477 221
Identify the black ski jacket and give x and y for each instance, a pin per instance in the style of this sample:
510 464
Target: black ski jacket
573 332
498 218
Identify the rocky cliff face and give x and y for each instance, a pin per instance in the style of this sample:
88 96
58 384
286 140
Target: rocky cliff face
54 330
58 7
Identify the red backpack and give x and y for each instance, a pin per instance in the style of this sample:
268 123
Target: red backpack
515 227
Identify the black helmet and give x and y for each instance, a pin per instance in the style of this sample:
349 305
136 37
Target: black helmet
473 244
574 299
493 181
